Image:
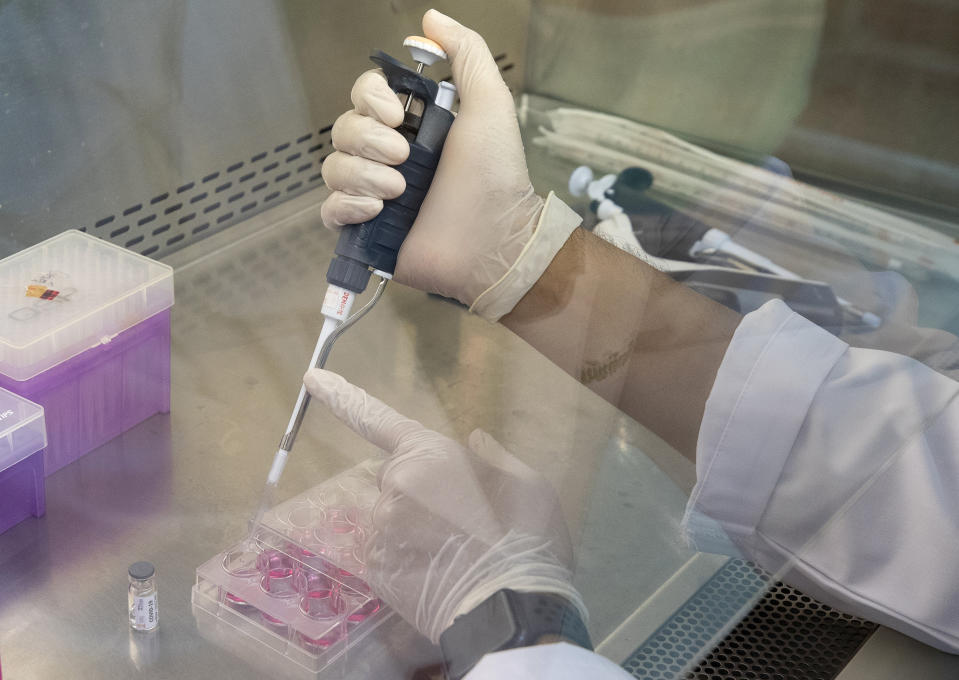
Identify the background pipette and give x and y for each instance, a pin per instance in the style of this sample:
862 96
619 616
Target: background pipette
372 247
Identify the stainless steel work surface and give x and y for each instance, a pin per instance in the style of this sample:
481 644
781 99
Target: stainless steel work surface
180 487
194 133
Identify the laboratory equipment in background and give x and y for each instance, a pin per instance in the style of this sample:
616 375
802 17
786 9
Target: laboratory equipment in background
292 599
22 441
727 194
706 259
85 334
142 596
372 247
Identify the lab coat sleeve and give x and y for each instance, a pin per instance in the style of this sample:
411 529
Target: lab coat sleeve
560 661
837 469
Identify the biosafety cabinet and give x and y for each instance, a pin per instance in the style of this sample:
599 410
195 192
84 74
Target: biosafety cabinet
754 150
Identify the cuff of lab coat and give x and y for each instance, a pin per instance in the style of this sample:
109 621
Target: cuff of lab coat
558 661
773 367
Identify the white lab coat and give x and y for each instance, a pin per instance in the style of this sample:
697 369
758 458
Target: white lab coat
833 467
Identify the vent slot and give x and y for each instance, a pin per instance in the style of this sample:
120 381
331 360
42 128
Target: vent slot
282 171
180 205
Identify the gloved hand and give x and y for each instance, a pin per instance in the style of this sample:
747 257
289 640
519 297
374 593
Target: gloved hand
453 525
482 236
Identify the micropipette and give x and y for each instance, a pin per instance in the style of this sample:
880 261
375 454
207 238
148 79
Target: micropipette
371 248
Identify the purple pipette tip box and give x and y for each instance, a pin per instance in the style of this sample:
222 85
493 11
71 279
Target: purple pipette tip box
86 335
22 440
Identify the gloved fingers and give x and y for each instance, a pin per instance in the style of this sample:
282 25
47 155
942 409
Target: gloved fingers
433 478
365 136
340 209
361 177
367 416
475 73
521 496
493 453
372 96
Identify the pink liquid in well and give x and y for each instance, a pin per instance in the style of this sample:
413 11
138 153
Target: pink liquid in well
340 520
273 623
276 573
357 597
325 641
364 610
274 563
307 580
235 600
321 605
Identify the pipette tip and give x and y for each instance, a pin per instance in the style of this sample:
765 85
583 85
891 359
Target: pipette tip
266 502
279 462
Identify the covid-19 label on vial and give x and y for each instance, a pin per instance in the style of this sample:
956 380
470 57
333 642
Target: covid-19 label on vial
145 612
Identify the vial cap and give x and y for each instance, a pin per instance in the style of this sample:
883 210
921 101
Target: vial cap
141 570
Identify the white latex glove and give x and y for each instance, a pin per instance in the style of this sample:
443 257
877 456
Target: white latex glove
453 525
482 236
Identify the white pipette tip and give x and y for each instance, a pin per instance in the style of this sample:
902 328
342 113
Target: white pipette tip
871 320
279 462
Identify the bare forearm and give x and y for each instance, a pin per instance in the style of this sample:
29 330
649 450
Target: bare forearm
643 342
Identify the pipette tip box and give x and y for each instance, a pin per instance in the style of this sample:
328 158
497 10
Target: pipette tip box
22 440
86 334
292 599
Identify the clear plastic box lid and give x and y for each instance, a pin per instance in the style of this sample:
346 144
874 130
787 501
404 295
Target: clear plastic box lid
70 293
22 430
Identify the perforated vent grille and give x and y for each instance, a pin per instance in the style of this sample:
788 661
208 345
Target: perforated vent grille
174 218
786 635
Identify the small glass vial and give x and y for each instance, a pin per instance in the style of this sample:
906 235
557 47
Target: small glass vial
142 596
